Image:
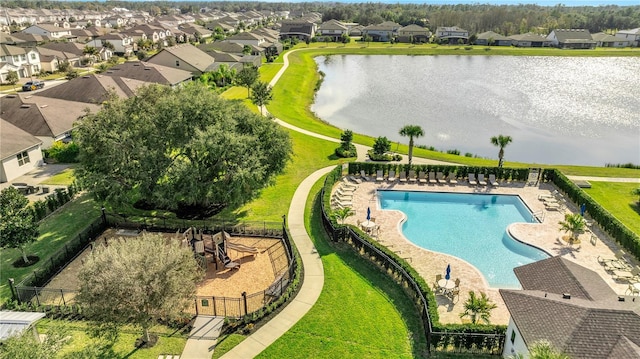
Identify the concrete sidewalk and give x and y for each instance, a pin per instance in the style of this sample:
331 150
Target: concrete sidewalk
311 285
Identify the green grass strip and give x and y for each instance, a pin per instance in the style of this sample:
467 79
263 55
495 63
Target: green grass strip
616 198
361 313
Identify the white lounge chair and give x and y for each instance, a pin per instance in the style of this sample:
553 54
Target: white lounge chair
472 179
627 275
432 178
412 176
403 176
341 204
347 189
364 176
341 194
451 178
492 180
353 179
618 256
422 177
379 176
392 176
440 178
481 180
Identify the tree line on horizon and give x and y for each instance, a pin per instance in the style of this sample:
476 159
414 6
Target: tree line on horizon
476 18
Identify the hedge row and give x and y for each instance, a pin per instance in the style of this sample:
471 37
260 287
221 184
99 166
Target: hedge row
610 224
460 172
59 197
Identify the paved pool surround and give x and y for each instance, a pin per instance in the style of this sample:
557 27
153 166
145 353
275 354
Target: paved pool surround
545 235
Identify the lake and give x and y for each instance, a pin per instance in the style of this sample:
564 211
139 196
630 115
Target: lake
558 110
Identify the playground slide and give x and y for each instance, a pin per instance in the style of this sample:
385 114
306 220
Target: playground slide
242 248
224 258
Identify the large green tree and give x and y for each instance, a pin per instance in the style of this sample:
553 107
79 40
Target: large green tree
411 131
179 147
247 77
261 94
18 227
502 142
139 281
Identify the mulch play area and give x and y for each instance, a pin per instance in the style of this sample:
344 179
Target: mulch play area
254 273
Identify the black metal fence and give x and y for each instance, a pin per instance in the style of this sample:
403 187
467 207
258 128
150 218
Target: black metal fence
487 340
284 260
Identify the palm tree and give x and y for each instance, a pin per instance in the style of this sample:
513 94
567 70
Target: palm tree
574 223
342 214
413 131
478 308
502 142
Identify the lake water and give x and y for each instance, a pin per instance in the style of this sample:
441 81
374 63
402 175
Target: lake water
558 110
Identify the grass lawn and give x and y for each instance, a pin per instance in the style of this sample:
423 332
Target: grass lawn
616 198
55 231
169 341
310 154
361 313
64 178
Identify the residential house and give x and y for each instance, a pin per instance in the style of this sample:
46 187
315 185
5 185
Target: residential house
21 39
333 29
413 34
632 35
574 309
247 38
50 31
217 24
606 40
185 57
20 152
223 46
50 59
571 39
25 62
196 32
115 22
385 31
237 62
48 119
356 30
122 44
301 29
529 40
493 39
71 52
451 35
91 89
149 73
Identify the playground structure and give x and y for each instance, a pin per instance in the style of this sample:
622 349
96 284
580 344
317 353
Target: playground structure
218 245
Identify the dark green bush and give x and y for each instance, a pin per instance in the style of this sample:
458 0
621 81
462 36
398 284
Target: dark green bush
63 152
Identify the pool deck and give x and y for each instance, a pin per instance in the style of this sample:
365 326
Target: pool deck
545 235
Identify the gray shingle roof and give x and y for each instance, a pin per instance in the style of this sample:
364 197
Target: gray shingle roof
559 275
191 55
14 139
591 323
150 73
563 35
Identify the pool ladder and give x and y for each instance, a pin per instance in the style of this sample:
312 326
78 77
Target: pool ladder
538 216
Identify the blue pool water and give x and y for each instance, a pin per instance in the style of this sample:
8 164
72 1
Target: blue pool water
472 227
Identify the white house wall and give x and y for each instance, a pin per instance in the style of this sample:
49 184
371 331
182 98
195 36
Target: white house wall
518 346
11 170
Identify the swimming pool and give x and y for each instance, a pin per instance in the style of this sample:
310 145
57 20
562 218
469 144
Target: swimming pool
472 227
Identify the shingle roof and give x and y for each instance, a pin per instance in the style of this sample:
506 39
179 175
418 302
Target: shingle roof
229 47
602 37
14 139
8 50
150 73
492 35
559 275
590 323
563 35
92 89
190 55
531 37
42 116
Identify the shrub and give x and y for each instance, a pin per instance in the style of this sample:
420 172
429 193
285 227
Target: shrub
468 154
381 146
453 152
344 153
64 152
468 48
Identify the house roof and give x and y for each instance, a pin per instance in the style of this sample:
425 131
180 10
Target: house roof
385 26
332 25
14 140
563 35
8 50
492 35
602 37
635 31
559 275
245 36
150 73
223 46
42 116
190 55
529 37
412 28
66 47
591 321
92 89
12 323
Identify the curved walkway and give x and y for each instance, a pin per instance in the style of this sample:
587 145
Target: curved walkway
311 285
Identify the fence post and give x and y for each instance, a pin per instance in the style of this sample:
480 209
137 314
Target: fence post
244 300
62 295
14 293
104 216
196 304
